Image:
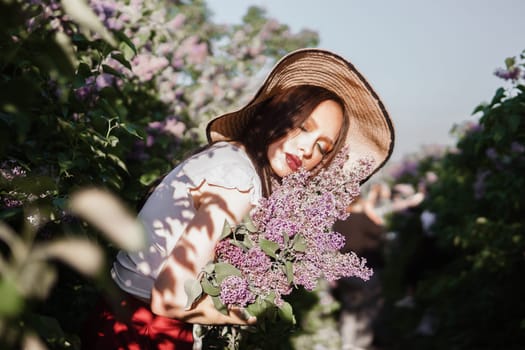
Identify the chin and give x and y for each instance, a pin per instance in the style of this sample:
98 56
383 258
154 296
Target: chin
280 170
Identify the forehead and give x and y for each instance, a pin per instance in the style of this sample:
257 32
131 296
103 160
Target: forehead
328 118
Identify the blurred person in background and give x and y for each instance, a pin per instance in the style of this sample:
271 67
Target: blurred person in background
360 301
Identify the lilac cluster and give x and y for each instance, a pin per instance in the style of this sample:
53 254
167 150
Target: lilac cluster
513 73
109 13
409 165
294 244
10 170
92 85
235 290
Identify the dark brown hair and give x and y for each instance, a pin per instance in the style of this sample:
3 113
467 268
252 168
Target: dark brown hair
273 118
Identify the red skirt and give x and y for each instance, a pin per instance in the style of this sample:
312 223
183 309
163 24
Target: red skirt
130 325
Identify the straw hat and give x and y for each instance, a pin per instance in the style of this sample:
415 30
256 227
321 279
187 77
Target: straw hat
370 133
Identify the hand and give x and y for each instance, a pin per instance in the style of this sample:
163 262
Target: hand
242 314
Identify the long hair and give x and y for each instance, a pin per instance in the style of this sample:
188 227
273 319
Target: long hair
281 113
272 119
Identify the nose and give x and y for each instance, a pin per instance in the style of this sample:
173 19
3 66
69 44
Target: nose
306 145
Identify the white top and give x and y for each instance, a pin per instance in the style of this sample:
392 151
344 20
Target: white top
170 208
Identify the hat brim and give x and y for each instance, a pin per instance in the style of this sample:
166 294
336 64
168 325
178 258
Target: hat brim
370 133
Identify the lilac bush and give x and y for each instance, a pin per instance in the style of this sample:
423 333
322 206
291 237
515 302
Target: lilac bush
113 94
466 237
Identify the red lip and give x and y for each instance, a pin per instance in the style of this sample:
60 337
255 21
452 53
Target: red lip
293 161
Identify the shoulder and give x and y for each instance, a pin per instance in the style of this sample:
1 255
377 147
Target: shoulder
223 152
225 165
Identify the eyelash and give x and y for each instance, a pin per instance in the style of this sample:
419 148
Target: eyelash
319 146
323 151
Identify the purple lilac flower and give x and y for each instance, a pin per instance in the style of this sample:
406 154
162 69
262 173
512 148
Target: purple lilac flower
230 253
256 261
313 206
176 22
11 203
85 92
431 177
427 218
491 153
513 73
104 80
9 170
517 147
406 167
306 274
479 185
235 291
472 128
145 66
174 127
273 281
108 12
276 229
298 216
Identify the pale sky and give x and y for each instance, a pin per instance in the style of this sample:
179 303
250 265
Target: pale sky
432 62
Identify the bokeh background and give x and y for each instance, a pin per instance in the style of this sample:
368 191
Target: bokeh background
430 61
100 98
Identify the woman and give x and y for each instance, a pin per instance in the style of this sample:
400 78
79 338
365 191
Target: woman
311 104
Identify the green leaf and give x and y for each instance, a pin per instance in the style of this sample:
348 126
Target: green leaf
148 178
128 45
113 140
112 71
288 265
500 93
223 270
299 243
286 239
209 288
118 161
514 122
256 309
219 305
247 242
193 290
270 298
248 223
130 129
209 268
11 302
108 108
9 212
286 313
46 325
226 230
121 59
510 62
269 247
479 108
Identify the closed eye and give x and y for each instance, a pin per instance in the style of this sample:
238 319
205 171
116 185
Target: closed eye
324 151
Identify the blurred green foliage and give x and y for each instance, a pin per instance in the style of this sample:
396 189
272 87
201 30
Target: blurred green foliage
466 269
110 94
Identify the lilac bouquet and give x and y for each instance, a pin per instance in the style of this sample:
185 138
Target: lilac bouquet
287 242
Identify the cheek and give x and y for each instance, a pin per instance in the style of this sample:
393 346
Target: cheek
313 162
271 153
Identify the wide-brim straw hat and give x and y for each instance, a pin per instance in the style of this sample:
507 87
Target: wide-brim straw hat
370 133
